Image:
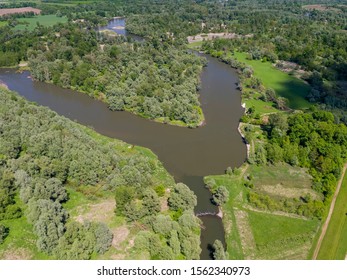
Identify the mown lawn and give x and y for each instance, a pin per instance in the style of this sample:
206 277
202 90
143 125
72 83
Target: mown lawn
3 23
294 89
334 244
45 20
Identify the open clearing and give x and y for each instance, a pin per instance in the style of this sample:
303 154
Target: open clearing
334 243
31 23
282 180
292 88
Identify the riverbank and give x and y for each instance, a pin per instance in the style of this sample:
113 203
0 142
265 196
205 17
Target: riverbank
332 242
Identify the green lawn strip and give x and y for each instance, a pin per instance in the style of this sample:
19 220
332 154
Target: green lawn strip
3 23
274 234
45 20
234 186
294 89
334 244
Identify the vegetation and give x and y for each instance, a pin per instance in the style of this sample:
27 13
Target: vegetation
31 23
45 157
334 245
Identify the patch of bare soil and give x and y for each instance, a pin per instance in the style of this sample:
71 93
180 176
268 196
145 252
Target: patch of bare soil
17 254
120 234
3 85
246 235
19 11
291 67
100 212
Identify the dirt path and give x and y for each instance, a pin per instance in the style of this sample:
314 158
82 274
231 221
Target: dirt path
331 210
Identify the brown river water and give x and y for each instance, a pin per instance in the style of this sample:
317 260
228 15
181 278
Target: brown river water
188 154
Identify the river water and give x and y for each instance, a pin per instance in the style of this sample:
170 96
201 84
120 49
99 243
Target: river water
188 154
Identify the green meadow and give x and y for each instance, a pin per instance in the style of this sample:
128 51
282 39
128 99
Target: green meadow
292 88
45 20
334 244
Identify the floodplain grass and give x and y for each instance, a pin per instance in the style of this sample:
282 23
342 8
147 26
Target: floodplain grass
276 235
45 20
292 88
334 244
279 237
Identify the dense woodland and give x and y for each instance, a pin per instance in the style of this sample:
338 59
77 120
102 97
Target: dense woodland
42 153
149 79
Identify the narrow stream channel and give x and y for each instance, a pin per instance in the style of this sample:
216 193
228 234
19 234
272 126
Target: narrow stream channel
188 154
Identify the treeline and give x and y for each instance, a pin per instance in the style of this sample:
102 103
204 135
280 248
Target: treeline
42 153
311 140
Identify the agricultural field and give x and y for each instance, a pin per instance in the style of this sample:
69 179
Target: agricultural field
253 233
45 20
287 86
19 11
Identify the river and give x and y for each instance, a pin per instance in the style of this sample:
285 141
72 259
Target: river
188 154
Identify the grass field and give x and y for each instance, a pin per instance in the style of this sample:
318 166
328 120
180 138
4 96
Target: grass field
45 20
3 23
285 85
257 234
334 244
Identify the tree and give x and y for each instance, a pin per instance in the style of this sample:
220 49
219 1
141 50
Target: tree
124 196
4 231
218 250
182 198
221 195
103 238
150 202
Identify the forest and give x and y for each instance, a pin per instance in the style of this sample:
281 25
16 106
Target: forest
44 155
158 78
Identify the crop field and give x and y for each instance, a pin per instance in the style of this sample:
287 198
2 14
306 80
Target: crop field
292 88
252 233
46 20
19 11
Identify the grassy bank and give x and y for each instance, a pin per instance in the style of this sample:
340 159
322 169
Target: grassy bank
334 244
